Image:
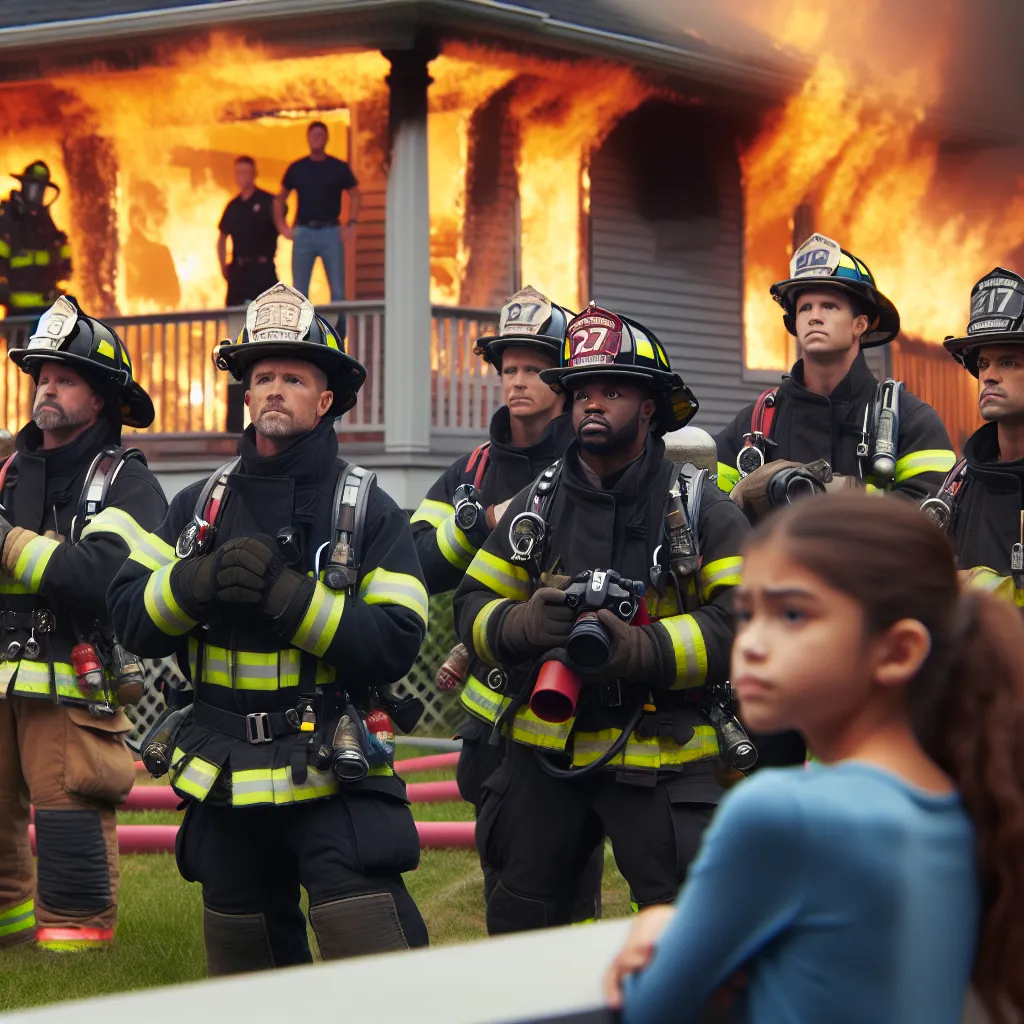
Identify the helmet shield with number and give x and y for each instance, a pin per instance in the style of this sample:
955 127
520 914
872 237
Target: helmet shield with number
997 317
528 320
603 344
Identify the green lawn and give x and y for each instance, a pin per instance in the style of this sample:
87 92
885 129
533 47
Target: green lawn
159 937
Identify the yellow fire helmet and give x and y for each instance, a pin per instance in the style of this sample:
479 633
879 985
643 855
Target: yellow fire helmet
821 263
282 324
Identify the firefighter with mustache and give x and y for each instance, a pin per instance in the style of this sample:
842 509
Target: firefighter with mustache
597 623
528 433
74 503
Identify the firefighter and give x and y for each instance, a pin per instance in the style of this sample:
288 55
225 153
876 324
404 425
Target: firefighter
288 585
636 760
982 498
62 728
34 255
527 434
830 415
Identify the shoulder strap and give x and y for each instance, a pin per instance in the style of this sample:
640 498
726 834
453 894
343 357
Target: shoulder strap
199 532
682 518
543 489
7 463
479 459
351 497
99 478
764 413
943 506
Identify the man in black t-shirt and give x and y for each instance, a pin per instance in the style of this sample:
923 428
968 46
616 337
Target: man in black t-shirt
248 220
319 181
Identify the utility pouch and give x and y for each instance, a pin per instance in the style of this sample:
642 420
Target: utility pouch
97 763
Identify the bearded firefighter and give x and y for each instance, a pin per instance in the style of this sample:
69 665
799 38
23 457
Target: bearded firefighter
288 584
597 621
75 502
35 257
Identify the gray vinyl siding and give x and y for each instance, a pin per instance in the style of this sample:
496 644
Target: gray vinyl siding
683 280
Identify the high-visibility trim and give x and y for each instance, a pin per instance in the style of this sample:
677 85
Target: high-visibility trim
23 259
104 348
12 586
18 919
690 651
983 578
65 252
196 776
32 679
433 512
42 257
728 477
456 547
640 752
382 586
505 578
931 460
166 614
67 940
320 623
276 786
5 249
527 728
149 550
480 645
251 670
723 572
23 300
32 562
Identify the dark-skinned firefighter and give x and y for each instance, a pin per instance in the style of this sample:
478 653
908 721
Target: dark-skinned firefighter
75 502
288 584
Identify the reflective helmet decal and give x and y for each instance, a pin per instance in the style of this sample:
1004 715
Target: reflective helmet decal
280 314
55 325
594 337
997 303
525 313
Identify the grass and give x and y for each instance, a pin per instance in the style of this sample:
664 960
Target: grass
159 937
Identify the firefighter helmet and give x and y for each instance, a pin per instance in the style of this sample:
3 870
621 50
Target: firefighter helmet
282 324
35 180
66 335
602 343
997 317
820 262
528 320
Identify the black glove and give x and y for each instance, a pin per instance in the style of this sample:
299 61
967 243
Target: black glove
193 586
634 657
245 569
536 626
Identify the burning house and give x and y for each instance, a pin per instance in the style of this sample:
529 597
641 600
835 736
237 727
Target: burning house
661 168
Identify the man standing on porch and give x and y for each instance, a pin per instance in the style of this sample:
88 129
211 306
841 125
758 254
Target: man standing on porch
319 181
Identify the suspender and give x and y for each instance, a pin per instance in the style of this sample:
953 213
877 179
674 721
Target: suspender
479 459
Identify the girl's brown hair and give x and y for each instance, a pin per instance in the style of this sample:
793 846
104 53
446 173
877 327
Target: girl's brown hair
967 701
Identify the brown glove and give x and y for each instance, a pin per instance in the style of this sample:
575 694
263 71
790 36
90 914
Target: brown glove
751 493
634 657
536 626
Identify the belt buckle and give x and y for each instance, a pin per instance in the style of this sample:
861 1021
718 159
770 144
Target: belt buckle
611 693
257 728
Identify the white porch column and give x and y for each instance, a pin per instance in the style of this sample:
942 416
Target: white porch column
407 263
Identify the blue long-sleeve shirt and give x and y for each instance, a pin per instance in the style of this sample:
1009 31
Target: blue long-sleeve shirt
849 897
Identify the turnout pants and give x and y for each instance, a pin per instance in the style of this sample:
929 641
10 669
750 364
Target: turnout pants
478 761
74 771
348 852
539 832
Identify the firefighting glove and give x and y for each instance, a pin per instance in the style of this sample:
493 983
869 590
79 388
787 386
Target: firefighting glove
245 569
758 493
194 587
634 656
534 627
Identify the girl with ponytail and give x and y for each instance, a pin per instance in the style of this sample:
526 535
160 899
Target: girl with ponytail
873 886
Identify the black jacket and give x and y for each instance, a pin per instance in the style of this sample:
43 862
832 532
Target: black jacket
808 426
238 661
444 550
620 528
34 257
41 497
989 504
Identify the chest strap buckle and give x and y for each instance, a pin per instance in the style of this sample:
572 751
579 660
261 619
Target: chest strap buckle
257 728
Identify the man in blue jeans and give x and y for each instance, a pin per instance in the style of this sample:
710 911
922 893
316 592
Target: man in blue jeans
318 180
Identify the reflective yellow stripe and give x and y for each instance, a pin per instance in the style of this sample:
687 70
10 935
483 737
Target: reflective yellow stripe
480 645
42 258
18 918
988 580
251 670
640 752
527 728
32 679
728 477
151 551
5 248
23 299
932 460
689 649
319 624
511 581
276 786
454 544
65 252
23 259
196 777
723 572
382 586
9 586
32 562
433 512
164 611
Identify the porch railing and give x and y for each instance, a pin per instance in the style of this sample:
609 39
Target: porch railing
171 358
